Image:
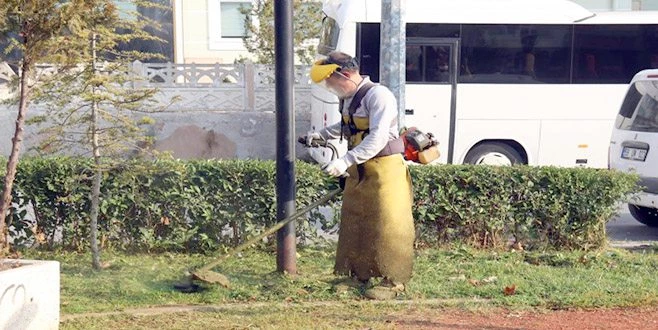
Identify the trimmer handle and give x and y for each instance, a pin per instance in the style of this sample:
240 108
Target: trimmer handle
341 180
314 143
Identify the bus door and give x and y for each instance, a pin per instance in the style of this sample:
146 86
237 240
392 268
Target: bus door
431 88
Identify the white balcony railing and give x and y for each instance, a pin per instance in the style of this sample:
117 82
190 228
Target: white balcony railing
205 87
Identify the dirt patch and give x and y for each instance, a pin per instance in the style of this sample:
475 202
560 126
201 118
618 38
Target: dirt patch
417 315
191 142
627 318
9 264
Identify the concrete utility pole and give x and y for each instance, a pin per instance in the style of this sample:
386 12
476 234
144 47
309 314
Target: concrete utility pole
393 52
286 257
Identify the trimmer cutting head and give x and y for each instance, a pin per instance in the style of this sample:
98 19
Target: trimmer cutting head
211 277
206 276
188 287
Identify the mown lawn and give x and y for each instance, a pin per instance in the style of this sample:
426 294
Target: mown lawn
454 276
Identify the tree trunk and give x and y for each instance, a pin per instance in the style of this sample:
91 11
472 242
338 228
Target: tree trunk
95 201
12 164
96 186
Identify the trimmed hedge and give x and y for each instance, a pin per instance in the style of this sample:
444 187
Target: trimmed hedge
534 207
160 205
203 205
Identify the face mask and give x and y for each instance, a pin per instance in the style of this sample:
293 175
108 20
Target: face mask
340 90
341 94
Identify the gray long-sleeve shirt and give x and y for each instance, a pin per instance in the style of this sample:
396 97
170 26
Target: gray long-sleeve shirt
381 109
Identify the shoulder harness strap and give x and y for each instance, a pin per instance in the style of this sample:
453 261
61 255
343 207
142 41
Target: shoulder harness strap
392 147
356 101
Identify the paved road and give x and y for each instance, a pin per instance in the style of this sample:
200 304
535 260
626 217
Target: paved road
625 231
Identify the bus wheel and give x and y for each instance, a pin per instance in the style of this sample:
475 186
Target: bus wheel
645 215
493 153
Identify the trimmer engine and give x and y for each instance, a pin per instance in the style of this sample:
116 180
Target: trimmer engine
420 147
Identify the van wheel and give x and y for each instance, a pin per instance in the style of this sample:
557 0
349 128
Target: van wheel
645 215
493 153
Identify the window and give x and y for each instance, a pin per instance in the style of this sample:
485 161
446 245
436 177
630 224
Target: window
427 30
328 36
639 111
647 4
617 5
612 54
630 102
419 69
515 54
226 24
428 63
164 18
601 5
232 19
368 49
522 53
125 7
646 115
162 29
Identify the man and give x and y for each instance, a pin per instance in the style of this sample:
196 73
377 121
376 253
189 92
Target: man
376 231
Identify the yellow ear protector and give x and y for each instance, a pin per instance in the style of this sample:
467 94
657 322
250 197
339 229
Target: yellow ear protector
323 69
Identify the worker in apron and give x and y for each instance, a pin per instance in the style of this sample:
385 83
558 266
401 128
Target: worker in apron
376 234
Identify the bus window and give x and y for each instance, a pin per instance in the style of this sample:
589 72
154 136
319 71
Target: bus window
512 53
428 64
438 58
432 30
367 46
414 71
368 38
612 54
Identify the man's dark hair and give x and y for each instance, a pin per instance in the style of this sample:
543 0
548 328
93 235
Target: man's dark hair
345 61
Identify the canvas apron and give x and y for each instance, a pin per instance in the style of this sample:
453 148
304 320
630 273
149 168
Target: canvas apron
376 234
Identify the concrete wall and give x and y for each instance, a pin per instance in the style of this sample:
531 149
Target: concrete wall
221 111
208 135
29 295
189 134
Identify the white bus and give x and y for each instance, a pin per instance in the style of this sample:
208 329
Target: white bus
535 82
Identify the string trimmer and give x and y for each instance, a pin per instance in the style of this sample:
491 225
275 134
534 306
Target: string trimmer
205 273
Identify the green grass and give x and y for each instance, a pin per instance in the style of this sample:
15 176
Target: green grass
458 276
337 316
609 278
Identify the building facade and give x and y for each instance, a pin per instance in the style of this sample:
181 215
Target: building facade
618 5
211 31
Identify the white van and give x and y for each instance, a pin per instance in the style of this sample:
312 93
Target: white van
634 143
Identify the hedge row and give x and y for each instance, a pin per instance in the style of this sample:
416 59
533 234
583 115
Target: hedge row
534 207
203 205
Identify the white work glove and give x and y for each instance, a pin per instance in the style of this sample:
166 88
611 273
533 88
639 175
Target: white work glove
312 135
335 168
